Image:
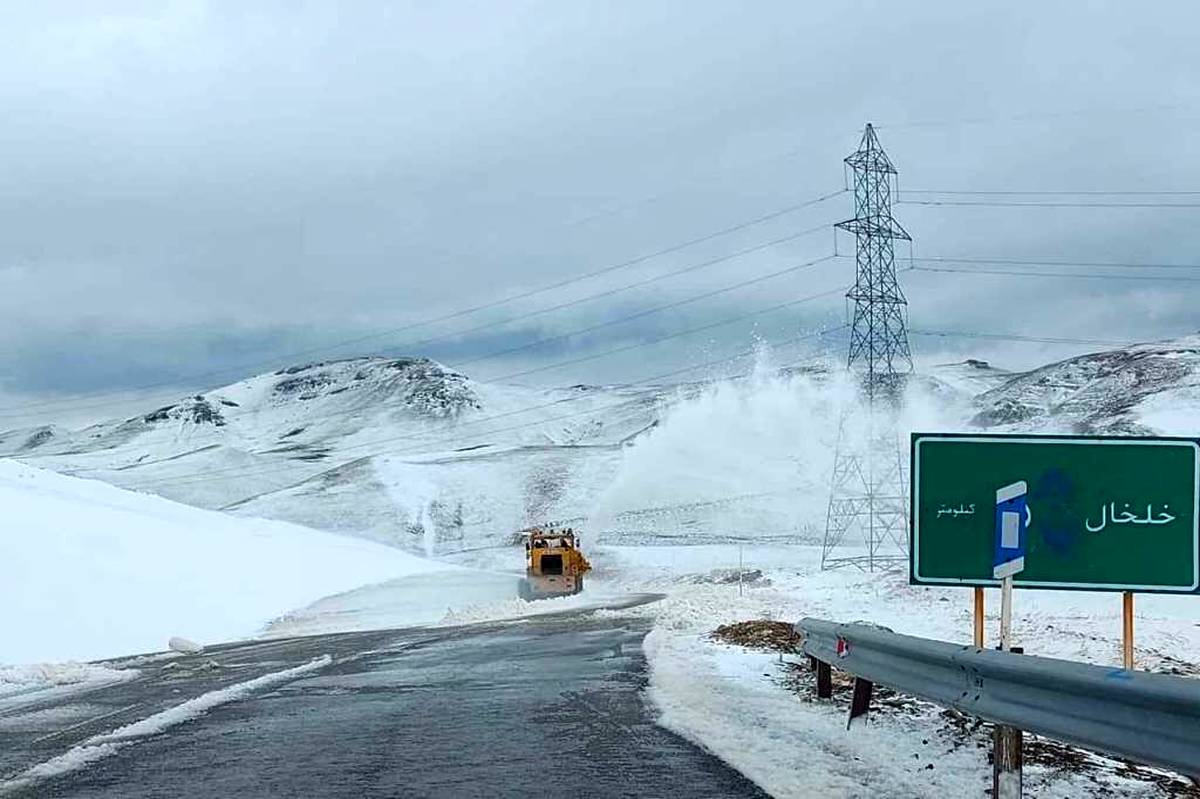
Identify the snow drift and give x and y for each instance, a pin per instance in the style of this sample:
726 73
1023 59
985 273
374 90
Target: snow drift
746 460
88 570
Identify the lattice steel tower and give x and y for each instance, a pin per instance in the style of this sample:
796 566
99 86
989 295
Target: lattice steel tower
868 498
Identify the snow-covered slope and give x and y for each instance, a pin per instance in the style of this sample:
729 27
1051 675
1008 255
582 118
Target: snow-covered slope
315 443
970 377
1143 389
410 453
88 570
446 502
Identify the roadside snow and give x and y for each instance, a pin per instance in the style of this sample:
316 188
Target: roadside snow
731 701
734 702
723 699
18 681
1068 624
88 570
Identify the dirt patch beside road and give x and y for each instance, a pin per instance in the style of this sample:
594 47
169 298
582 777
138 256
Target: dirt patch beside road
773 636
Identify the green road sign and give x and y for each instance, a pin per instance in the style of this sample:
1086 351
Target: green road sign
1104 513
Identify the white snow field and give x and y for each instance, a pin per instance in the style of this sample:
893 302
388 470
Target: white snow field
89 571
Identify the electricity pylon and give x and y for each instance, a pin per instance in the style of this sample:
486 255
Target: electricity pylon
868 502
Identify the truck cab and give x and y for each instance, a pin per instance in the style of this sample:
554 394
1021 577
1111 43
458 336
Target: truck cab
554 564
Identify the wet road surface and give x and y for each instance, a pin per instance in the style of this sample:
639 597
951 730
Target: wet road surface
551 707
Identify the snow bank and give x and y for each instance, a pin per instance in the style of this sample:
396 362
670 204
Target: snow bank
721 698
733 702
21 679
88 570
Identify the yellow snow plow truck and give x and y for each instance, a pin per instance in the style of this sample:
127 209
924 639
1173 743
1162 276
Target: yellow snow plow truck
554 564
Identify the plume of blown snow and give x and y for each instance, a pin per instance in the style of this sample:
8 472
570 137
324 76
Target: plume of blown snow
750 458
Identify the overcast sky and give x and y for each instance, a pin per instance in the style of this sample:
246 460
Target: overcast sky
193 192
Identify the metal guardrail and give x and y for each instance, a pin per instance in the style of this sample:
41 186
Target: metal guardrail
1147 718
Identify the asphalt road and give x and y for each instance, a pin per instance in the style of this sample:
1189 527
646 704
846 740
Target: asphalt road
548 707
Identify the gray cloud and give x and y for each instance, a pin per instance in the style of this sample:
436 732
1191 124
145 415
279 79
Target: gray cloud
198 186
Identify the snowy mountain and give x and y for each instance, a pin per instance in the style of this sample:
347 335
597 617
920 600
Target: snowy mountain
383 447
1138 390
408 452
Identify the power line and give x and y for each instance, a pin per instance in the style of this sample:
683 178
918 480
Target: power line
630 262
1017 337
426 440
669 336
1082 276
630 317
201 477
1051 262
1051 193
617 290
72 402
588 298
1030 116
705 295
1008 204
640 314
651 342
423 444
621 208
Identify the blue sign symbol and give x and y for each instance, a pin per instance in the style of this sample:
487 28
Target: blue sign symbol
1012 520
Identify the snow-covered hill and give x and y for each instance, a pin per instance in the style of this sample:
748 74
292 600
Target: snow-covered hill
410 453
320 444
1138 390
88 570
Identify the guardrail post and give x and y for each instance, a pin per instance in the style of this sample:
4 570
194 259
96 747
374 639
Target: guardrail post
824 679
861 699
1006 762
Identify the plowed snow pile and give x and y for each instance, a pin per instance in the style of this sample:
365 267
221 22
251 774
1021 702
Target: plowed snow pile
88 570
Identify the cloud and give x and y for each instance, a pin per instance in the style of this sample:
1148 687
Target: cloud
190 185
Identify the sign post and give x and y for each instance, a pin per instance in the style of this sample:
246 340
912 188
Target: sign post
1011 523
979 617
1012 520
1127 630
